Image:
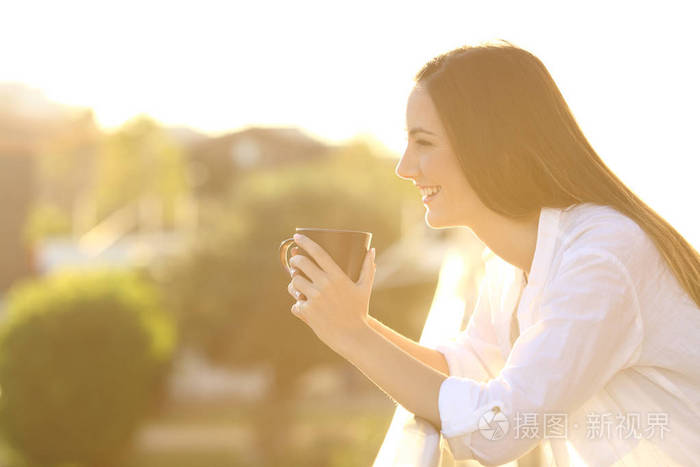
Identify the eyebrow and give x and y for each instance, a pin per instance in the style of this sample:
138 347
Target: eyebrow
417 130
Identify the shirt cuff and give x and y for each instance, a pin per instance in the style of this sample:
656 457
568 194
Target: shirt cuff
462 360
460 413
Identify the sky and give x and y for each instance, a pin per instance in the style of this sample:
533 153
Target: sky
344 69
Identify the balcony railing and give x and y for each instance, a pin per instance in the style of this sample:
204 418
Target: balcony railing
411 440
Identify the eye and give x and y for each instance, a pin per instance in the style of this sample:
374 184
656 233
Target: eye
423 142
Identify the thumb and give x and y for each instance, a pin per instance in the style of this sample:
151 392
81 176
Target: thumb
368 268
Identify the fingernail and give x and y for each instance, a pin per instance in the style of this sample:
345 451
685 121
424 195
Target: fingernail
374 253
297 237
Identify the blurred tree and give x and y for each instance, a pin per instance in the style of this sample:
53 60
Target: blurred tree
231 292
65 175
17 182
83 356
140 161
64 142
44 220
68 160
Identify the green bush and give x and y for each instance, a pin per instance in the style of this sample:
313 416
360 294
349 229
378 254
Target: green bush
82 356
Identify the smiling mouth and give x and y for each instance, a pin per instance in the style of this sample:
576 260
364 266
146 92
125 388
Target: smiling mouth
429 192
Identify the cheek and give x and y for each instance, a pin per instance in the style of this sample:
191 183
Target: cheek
435 164
457 189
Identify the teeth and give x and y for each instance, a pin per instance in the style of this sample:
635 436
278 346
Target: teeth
427 191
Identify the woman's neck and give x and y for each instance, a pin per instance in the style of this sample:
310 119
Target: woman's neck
512 240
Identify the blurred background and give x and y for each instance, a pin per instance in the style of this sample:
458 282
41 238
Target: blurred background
154 154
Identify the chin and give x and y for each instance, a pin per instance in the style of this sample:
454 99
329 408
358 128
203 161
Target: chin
434 222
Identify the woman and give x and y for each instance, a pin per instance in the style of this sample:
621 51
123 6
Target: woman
598 352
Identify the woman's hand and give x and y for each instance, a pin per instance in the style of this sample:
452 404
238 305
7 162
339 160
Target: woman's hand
334 306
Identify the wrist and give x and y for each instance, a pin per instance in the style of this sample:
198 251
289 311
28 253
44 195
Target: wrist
355 339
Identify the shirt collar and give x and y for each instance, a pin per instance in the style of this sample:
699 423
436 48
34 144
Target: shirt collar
547 233
517 293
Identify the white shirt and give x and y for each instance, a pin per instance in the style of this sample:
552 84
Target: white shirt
607 337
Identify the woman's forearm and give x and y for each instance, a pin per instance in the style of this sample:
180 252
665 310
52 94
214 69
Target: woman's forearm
408 381
428 356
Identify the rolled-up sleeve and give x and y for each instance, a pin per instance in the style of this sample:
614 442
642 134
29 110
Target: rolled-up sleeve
587 328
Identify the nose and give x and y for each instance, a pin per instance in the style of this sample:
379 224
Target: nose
405 168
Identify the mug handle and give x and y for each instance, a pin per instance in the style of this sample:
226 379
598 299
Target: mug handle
284 249
284 260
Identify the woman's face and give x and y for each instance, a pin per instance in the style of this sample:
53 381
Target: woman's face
431 164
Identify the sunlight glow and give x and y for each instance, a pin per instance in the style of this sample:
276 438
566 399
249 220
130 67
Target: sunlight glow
222 66
448 307
409 438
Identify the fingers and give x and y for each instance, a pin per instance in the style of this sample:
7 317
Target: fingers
319 255
295 272
302 285
292 270
307 266
296 309
296 295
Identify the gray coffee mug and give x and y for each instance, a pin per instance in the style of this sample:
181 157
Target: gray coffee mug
347 248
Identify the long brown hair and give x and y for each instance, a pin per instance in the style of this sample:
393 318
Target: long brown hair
521 148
